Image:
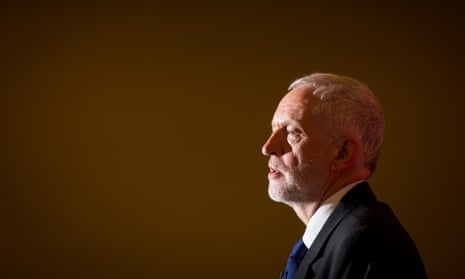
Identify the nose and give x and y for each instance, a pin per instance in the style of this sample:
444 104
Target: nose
272 146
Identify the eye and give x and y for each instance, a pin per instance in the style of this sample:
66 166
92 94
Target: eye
294 135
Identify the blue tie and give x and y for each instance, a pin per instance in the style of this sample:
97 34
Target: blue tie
296 256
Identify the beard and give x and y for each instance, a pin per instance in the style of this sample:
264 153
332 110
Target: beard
300 185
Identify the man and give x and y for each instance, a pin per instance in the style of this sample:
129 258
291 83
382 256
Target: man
327 133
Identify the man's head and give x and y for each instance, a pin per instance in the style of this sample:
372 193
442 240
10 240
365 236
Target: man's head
327 132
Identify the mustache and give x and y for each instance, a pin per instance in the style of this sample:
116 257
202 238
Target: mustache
276 165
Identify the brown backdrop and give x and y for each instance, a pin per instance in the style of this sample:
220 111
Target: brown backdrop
130 135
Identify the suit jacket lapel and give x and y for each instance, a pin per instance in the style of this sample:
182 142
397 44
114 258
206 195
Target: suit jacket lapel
359 194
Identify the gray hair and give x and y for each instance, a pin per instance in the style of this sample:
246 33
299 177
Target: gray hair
348 107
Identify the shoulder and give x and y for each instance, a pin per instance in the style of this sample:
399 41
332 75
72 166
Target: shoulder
372 222
371 239
364 239
361 213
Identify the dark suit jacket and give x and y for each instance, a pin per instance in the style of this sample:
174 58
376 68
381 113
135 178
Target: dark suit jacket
362 239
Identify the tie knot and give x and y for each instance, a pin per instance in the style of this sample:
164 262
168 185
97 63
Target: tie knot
299 250
296 256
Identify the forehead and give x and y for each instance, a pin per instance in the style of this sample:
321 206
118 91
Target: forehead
295 106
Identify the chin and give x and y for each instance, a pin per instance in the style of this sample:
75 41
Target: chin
289 192
274 192
283 193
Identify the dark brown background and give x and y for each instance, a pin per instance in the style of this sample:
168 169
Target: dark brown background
130 135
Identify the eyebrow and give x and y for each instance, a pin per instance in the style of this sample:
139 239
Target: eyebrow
285 123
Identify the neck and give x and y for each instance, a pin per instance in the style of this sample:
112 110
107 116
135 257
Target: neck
305 210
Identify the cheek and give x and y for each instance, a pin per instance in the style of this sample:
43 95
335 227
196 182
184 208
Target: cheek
291 160
310 158
294 162
303 156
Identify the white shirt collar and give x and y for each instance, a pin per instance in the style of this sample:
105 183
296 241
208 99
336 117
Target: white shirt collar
322 214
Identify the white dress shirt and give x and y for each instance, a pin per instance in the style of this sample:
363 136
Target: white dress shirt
322 214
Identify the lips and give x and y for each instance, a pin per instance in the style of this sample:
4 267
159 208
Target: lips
276 168
273 172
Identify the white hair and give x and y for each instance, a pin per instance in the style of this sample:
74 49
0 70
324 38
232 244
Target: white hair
348 107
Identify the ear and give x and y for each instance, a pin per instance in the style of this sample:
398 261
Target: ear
347 154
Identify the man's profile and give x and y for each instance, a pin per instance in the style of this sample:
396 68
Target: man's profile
326 138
